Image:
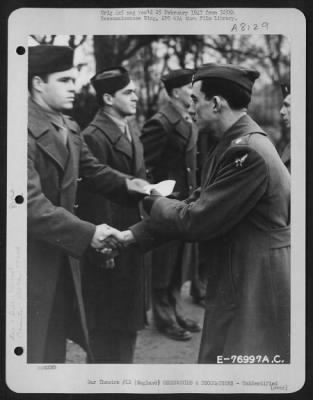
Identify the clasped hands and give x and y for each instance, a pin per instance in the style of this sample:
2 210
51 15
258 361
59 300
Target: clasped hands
109 241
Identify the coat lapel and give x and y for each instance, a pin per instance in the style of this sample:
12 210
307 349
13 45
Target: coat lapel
74 143
285 157
138 162
54 148
118 139
48 138
182 127
244 126
72 167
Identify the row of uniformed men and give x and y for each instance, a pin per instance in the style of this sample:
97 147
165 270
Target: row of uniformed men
238 215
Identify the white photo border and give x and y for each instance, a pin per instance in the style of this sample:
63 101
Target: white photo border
72 378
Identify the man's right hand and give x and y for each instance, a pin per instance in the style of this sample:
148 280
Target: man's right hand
106 236
124 239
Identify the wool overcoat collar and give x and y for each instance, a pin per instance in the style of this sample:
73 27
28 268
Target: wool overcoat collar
47 136
245 125
182 127
118 139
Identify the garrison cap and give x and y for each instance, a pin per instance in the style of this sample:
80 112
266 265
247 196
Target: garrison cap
177 78
110 80
241 76
47 59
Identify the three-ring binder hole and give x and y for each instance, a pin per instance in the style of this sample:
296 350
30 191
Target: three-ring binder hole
19 199
20 50
18 351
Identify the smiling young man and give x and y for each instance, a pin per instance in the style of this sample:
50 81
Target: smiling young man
242 214
58 158
115 298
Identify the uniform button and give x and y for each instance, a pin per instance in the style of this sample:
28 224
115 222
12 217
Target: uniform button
190 187
188 169
79 179
76 205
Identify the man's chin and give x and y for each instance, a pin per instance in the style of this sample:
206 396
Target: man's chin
68 106
202 126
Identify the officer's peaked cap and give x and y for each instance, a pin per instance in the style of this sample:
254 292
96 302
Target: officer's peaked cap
47 59
241 76
110 80
177 78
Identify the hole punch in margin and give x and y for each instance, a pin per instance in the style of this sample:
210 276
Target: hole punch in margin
18 351
19 199
20 50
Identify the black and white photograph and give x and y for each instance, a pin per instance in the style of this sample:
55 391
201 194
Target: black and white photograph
161 246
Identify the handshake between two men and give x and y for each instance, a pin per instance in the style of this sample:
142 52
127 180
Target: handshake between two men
108 240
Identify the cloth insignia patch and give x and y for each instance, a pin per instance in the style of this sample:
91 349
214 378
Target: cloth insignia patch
240 161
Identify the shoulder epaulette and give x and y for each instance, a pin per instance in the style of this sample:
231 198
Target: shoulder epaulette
242 141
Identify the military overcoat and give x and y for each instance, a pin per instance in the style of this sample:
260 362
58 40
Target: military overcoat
56 237
115 298
243 213
286 157
170 152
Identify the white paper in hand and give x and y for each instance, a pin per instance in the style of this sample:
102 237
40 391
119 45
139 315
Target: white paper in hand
165 188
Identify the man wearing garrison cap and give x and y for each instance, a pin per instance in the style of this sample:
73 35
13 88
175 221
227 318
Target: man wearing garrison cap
242 214
285 115
170 145
57 159
114 298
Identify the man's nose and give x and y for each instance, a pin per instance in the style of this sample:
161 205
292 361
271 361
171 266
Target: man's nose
192 108
72 86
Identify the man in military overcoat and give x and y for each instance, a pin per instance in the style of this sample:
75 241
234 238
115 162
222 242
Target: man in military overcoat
114 297
243 213
57 158
170 148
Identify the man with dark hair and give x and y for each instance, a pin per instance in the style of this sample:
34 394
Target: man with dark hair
170 145
285 115
242 212
114 298
58 158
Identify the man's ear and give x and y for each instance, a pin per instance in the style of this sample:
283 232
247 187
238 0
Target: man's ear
107 99
217 103
37 83
175 93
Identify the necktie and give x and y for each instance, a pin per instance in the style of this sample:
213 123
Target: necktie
127 133
64 134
